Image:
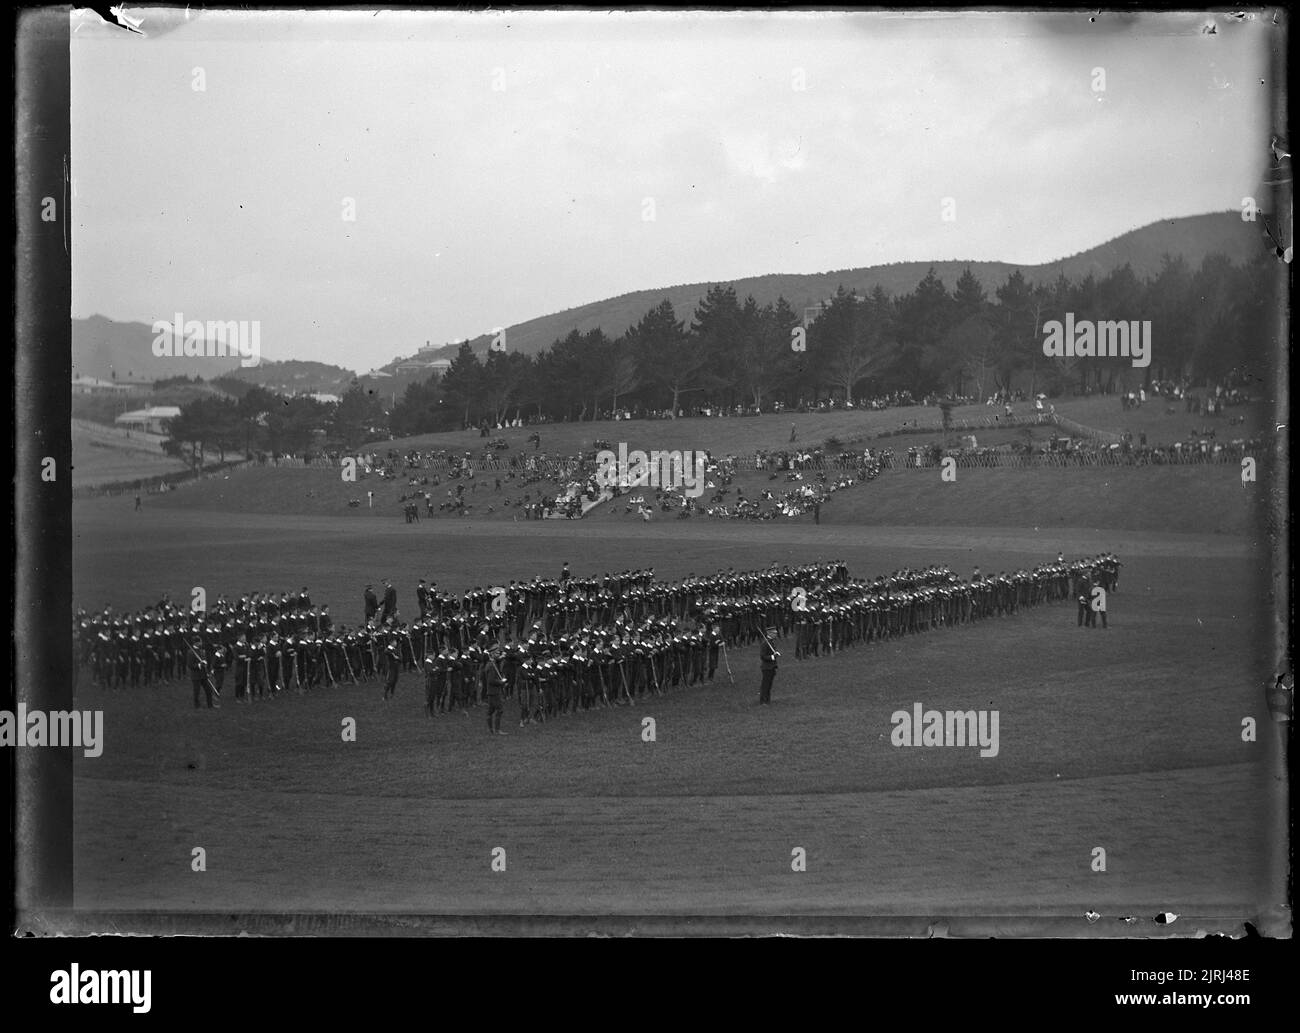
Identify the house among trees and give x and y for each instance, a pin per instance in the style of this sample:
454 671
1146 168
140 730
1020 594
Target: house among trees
423 361
150 420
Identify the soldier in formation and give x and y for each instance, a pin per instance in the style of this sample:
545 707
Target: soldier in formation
555 648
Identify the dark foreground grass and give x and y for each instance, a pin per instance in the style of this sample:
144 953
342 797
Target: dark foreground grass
1127 739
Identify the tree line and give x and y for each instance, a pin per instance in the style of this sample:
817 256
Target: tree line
1206 323
252 420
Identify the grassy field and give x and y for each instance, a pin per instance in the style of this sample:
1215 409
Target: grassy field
1128 739
102 455
1182 498
742 434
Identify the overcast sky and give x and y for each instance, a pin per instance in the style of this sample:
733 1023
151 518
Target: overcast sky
500 164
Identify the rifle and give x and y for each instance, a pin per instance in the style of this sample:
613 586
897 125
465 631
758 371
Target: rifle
202 664
727 662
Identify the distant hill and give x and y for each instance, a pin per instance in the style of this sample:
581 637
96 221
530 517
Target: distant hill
105 348
1193 237
298 376
101 346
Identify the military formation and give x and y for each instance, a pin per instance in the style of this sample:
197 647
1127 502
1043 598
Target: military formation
550 647
555 647
835 616
265 644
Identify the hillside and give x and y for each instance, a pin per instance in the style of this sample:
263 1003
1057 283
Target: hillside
1204 499
105 408
897 428
1184 499
105 348
298 376
102 455
102 346
1193 237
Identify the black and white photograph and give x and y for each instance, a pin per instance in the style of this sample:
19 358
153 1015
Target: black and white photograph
665 472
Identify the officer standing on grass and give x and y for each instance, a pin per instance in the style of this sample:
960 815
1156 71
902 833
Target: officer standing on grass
241 656
768 657
220 661
393 663
496 682
1085 599
197 666
1097 605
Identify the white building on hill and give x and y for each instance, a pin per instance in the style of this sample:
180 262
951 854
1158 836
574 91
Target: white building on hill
94 385
149 420
424 362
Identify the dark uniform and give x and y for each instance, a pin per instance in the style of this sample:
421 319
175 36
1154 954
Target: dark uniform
526 689
768 664
220 661
432 683
496 682
393 655
197 666
1100 603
